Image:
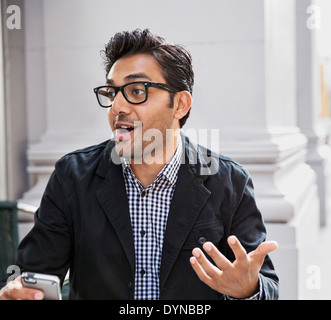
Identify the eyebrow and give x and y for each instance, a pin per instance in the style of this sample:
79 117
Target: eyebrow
133 76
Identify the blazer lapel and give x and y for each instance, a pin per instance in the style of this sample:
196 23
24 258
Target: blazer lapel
189 198
112 198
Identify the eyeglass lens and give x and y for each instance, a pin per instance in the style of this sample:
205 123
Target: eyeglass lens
134 93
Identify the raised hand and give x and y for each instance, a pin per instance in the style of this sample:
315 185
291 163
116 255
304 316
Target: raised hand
238 279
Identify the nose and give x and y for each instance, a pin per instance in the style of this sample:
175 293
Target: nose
121 105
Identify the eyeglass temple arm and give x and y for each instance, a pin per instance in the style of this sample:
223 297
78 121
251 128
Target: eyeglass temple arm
164 87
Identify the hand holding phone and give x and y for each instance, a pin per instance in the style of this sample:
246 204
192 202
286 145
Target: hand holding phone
49 284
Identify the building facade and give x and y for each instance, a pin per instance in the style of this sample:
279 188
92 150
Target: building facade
260 95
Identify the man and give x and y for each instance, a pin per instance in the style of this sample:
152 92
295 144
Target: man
148 215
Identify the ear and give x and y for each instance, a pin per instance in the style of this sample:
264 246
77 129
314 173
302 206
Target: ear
182 104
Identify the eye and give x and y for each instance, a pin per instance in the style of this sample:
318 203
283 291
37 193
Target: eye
135 90
138 91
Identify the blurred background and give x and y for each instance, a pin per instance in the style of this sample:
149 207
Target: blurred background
262 88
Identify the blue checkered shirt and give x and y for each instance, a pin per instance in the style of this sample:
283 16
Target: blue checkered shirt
149 208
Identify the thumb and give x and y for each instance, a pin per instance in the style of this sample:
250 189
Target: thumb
262 250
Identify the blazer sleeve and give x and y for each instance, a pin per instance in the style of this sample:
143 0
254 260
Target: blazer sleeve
247 225
47 247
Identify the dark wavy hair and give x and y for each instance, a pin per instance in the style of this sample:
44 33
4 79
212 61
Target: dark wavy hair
175 60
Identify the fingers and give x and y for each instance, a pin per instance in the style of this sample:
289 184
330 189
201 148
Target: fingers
207 271
206 265
203 268
199 271
220 260
238 250
14 290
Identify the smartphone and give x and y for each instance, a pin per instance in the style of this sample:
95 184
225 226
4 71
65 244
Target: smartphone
49 284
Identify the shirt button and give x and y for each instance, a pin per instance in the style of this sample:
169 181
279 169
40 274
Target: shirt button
142 232
142 272
129 285
143 193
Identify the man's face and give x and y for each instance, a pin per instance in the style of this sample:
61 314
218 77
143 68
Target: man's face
152 114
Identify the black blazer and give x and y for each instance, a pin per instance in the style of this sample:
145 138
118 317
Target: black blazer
83 223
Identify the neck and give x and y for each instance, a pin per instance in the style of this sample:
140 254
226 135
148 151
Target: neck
146 171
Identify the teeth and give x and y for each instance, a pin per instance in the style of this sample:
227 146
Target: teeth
124 127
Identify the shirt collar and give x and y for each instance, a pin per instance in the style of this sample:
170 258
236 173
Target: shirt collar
169 171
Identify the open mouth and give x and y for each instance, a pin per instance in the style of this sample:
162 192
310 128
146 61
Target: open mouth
124 131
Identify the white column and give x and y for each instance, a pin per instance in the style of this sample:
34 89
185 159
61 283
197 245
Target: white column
14 98
61 71
309 16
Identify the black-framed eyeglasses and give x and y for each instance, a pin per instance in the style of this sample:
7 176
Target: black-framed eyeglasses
134 92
